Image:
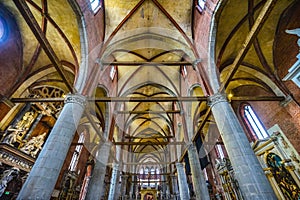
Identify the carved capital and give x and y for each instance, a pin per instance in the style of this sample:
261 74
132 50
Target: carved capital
173 176
191 146
179 165
216 98
115 166
124 176
195 63
75 98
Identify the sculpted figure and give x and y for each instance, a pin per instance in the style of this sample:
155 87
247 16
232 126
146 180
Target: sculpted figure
11 136
7 176
33 146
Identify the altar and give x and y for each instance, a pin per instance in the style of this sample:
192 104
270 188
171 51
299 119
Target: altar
148 194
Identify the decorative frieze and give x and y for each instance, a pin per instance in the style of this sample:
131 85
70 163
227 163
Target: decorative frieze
13 157
75 98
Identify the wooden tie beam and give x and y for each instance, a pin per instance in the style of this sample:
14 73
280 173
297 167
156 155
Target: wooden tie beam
150 99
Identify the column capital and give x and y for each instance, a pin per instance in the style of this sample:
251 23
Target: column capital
190 146
180 165
173 175
115 166
75 98
124 175
216 98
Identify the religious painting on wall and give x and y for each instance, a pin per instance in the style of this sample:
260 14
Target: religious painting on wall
285 181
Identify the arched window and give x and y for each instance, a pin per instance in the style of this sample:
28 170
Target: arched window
219 150
142 170
3 29
112 72
152 170
201 5
253 123
76 154
146 170
95 5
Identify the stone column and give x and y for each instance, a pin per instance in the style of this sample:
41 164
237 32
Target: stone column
131 190
114 183
134 186
248 172
199 182
182 182
163 186
174 186
168 193
43 176
97 185
124 179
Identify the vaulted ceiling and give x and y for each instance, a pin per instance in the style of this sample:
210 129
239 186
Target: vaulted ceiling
142 38
150 44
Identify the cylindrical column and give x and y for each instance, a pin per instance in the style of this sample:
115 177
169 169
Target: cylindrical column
182 182
114 182
174 186
86 180
163 186
43 176
124 179
96 185
251 178
199 182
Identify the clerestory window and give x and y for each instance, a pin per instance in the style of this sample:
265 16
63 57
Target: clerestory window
201 4
95 5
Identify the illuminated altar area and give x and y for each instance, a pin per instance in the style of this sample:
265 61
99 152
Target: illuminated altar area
150 194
